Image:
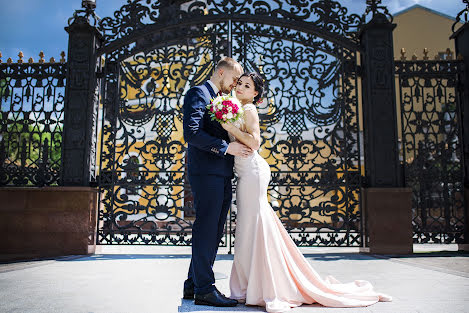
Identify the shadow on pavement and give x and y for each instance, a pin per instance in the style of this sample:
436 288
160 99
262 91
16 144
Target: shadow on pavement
220 257
189 306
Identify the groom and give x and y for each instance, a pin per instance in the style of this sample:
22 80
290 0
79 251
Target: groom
210 170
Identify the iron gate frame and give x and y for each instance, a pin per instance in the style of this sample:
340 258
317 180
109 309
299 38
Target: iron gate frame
341 35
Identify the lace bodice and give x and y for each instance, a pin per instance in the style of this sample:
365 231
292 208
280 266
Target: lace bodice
241 123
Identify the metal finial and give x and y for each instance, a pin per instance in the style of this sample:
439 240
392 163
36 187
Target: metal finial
449 54
87 12
375 7
9 61
41 56
425 54
0 57
62 59
403 57
414 57
21 55
52 60
88 4
31 60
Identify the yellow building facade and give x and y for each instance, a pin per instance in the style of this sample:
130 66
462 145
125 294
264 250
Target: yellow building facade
422 34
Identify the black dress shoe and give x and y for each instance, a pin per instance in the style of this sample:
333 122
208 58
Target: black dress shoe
214 298
188 294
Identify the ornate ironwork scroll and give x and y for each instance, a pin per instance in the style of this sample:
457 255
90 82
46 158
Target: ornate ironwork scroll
142 164
431 147
31 119
309 117
463 16
140 24
310 131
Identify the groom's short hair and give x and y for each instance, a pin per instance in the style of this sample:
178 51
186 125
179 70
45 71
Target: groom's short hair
228 62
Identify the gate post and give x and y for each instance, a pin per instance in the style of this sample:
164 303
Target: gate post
461 38
81 102
80 123
387 206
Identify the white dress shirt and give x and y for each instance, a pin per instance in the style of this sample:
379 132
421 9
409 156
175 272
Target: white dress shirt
215 89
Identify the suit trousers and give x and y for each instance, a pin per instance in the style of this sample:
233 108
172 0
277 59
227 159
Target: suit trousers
212 200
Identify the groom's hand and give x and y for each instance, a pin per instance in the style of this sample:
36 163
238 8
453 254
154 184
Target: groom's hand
238 149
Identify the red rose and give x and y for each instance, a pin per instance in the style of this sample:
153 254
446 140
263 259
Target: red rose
219 115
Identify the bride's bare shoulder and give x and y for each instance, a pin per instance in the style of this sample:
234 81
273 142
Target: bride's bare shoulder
249 107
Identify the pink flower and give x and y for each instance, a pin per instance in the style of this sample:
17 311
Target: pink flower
219 115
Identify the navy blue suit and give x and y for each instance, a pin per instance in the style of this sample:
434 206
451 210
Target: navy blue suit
210 172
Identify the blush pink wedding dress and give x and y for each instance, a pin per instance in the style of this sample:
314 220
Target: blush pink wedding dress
268 269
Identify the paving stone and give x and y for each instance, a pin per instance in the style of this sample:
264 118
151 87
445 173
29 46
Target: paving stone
131 279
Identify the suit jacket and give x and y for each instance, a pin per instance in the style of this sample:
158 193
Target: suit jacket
207 140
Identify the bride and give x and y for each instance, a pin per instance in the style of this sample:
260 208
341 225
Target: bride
268 269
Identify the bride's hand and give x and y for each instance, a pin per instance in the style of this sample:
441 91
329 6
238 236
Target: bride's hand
228 126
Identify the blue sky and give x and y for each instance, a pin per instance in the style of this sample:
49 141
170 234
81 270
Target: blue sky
34 25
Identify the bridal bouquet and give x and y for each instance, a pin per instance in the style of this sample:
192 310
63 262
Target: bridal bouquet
225 109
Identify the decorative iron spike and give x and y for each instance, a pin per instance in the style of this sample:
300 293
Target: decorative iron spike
0 57
425 54
21 55
414 57
52 60
31 60
62 59
41 55
9 61
403 57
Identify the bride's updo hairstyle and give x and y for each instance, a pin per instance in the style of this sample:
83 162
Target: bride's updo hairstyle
258 85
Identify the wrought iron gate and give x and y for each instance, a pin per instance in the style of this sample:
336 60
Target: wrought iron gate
429 94
155 51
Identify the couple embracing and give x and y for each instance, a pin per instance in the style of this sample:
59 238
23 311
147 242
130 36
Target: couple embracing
268 269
